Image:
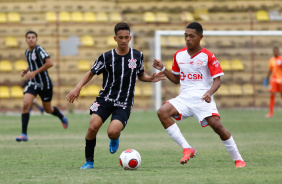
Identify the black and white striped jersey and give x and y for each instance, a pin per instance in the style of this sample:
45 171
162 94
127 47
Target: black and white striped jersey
119 75
36 58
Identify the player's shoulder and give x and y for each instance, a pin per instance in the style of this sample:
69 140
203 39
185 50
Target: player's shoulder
136 52
39 48
206 51
181 50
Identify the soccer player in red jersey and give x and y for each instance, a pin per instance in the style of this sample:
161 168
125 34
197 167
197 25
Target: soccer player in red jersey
198 72
275 86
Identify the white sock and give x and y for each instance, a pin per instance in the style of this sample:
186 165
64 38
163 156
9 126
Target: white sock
232 149
177 136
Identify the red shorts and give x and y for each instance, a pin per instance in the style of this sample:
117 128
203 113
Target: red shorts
275 86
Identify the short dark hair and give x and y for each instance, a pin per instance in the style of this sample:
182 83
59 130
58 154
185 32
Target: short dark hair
197 26
31 32
121 26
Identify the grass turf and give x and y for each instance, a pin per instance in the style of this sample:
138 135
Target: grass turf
54 155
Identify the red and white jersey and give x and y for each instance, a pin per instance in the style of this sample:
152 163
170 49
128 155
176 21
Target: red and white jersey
196 72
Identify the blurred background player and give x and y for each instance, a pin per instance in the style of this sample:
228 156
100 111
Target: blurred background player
275 86
120 68
198 72
39 83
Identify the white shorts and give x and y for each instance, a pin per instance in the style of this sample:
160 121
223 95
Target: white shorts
188 106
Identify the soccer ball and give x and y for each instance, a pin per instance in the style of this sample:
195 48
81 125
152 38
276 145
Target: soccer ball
130 159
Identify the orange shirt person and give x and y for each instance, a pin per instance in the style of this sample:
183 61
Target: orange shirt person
275 86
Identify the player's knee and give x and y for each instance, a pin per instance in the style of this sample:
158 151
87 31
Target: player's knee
162 112
113 135
93 130
26 106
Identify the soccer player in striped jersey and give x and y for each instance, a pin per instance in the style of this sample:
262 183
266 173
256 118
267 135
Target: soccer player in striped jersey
39 83
120 68
198 72
275 86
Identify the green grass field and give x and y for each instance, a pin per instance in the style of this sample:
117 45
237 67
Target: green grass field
54 155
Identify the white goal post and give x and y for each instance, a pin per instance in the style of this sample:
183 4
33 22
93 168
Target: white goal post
159 33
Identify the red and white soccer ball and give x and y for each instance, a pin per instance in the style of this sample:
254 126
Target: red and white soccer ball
130 159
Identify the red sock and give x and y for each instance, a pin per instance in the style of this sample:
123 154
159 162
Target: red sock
271 104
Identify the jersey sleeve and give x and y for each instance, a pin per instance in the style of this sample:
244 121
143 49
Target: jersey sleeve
99 65
42 53
214 66
175 67
140 69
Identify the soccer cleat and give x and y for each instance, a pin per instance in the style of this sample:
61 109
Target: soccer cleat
65 122
88 165
113 147
22 137
240 163
269 115
187 154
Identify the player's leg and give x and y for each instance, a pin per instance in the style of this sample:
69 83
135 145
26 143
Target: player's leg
27 103
274 87
46 97
119 120
38 106
100 110
114 131
165 114
271 105
55 112
90 140
227 139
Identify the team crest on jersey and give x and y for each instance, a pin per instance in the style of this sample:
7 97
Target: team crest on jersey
94 106
199 63
132 63
215 63
33 56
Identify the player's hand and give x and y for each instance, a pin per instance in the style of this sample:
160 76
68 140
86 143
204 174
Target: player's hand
265 82
156 77
207 97
158 64
30 75
23 73
73 95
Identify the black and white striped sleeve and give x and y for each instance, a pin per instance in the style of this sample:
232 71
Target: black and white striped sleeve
141 66
99 65
42 53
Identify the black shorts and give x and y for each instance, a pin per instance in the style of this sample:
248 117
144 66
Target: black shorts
45 94
105 108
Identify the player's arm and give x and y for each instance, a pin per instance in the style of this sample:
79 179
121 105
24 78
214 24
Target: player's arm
155 77
31 74
171 76
74 94
266 80
212 90
24 72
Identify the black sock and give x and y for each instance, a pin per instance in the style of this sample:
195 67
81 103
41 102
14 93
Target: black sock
25 119
57 113
89 149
